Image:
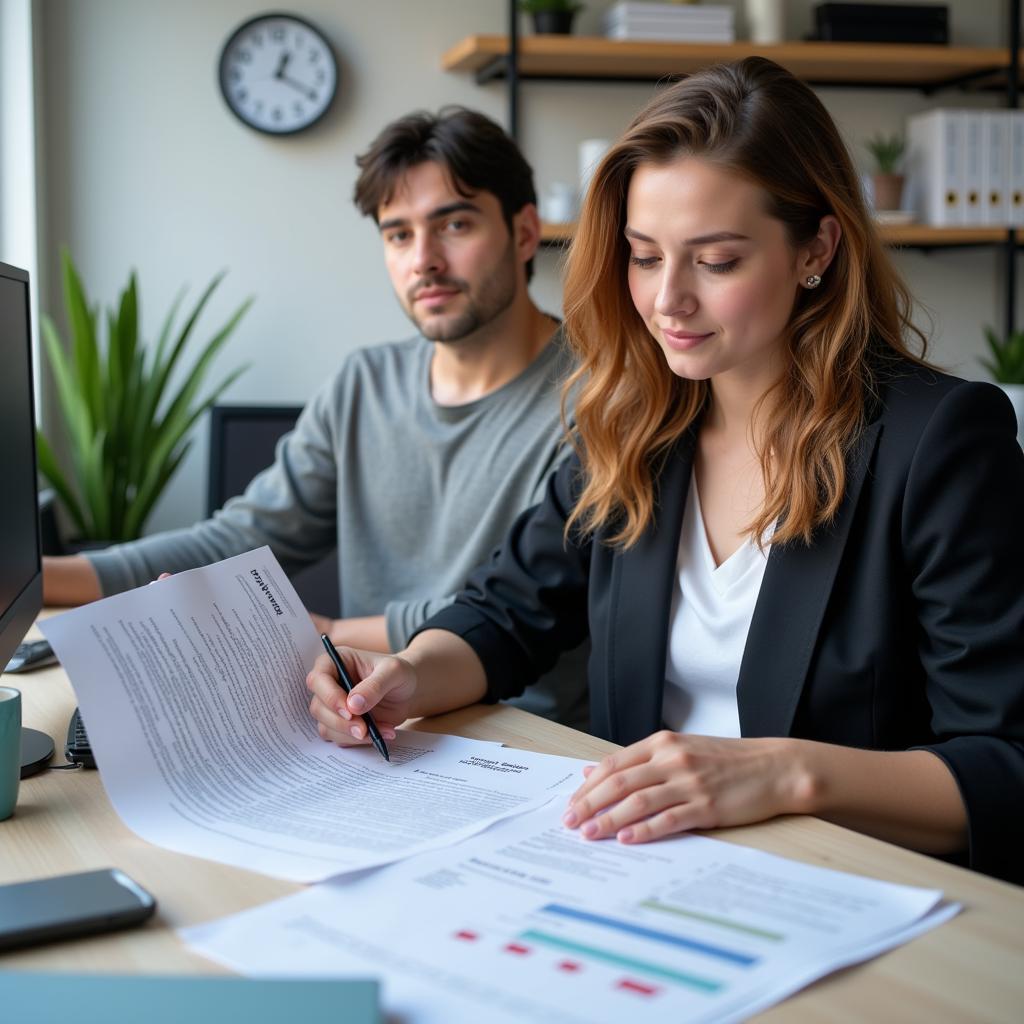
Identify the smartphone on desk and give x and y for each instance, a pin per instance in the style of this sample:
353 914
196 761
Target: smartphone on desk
67 906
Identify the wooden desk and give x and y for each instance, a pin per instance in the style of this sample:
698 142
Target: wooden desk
971 969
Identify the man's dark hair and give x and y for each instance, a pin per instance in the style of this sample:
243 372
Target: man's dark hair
477 154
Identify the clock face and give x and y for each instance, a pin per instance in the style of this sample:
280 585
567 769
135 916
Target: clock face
278 74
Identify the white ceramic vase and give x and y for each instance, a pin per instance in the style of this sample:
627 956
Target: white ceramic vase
1015 392
590 153
766 20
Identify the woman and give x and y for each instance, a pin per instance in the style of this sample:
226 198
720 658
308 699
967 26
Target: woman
796 547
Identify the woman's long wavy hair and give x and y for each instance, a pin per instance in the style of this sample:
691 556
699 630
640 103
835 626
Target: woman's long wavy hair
753 119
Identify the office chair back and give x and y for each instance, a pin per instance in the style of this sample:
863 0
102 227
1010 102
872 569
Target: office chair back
242 443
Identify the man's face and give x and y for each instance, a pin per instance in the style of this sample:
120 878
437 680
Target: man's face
451 258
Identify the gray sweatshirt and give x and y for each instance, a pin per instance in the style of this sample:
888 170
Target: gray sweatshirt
413 494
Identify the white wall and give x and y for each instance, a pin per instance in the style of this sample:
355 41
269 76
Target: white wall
146 168
19 221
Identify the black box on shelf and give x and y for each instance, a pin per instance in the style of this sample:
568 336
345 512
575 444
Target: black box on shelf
882 23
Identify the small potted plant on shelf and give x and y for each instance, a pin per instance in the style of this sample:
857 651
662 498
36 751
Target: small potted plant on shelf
888 183
1007 369
551 17
123 425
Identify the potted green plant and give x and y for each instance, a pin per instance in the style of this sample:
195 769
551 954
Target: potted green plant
1007 368
888 183
124 425
551 17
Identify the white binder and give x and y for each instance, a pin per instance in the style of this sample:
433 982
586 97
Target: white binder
972 177
1016 204
935 169
996 167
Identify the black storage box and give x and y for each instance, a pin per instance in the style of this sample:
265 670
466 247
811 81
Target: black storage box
882 23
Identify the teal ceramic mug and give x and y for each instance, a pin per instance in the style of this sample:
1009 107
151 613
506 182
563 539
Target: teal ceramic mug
10 749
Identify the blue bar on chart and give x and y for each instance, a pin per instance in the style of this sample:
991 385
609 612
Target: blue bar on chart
679 941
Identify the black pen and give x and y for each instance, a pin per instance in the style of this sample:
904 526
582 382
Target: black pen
346 682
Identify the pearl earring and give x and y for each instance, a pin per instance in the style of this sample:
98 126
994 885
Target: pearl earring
813 281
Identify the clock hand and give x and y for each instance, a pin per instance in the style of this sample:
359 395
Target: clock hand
282 64
310 94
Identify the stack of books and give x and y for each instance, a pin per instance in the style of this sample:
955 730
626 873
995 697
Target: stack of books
664 22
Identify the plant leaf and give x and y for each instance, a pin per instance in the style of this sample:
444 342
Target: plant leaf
49 468
163 372
194 380
1007 363
165 454
95 488
122 388
71 402
126 431
160 371
165 331
82 324
148 496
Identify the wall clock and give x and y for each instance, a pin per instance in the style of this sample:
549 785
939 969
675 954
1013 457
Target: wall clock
278 74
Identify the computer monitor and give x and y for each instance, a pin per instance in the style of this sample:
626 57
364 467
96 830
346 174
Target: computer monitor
21 575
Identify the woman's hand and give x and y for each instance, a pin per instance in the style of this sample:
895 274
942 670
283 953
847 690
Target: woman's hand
386 686
672 783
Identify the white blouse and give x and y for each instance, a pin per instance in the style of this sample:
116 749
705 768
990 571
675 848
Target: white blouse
711 611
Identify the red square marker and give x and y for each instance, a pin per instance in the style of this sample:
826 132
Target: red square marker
467 936
570 966
638 987
514 947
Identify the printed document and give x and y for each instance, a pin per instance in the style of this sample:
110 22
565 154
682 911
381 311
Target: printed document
528 921
193 693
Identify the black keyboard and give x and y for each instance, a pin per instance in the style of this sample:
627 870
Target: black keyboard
31 654
76 747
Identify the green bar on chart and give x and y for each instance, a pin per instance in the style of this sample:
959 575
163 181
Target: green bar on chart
608 957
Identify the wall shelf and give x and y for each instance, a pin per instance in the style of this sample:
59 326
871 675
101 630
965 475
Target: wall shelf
911 235
513 58
595 58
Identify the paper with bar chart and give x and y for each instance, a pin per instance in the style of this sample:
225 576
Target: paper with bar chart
530 922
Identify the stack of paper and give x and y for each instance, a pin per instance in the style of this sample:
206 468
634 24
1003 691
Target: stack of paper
680 23
194 698
530 922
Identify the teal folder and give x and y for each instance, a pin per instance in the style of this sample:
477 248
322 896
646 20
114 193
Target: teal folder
30 997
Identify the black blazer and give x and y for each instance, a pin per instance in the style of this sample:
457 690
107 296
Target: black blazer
900 626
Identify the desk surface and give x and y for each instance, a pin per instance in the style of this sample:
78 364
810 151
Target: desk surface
970 969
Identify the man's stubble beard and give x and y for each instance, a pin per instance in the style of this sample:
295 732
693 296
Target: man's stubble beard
495 295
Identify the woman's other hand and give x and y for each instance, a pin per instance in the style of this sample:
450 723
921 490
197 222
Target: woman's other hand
671 783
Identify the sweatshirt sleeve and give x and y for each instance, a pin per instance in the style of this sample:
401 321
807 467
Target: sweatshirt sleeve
291 507
528 603
404 618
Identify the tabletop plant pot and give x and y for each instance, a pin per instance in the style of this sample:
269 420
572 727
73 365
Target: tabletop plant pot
887 181
1006 365
888 191
551 17
1015 393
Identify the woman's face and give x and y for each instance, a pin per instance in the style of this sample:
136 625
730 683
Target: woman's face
712 274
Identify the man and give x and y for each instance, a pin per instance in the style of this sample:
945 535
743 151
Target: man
417 455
